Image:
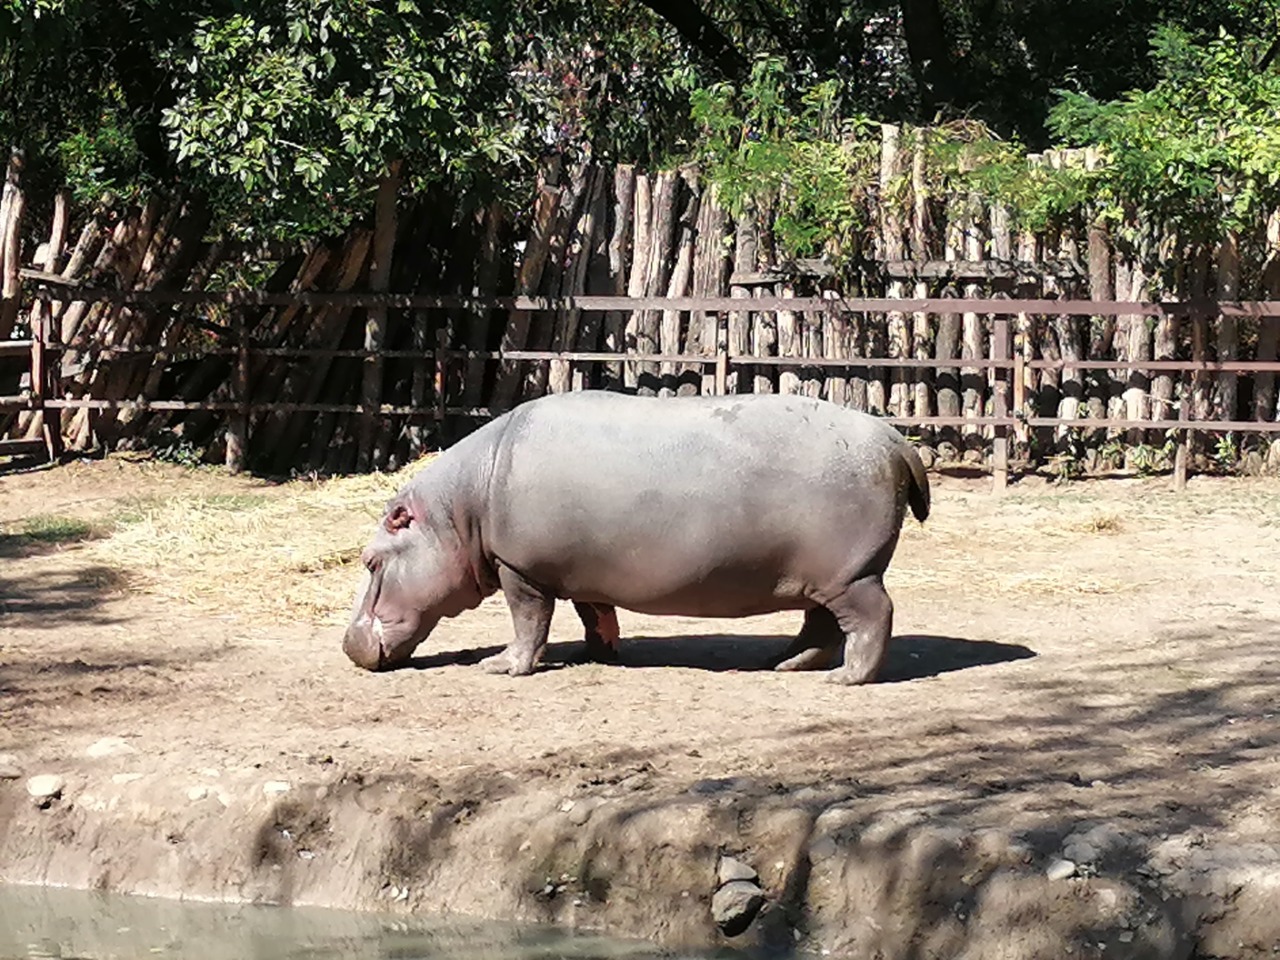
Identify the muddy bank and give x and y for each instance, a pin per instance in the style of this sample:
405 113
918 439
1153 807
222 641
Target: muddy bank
636 858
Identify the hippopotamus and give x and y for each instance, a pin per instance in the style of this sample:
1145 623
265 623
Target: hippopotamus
723 507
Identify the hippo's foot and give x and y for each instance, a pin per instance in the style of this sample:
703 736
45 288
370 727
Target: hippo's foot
812 658
601 632
600 650
849 678
816 645
504 662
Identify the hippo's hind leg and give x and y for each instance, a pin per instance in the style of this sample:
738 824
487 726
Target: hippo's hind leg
531 611
817 643
865 615
600 625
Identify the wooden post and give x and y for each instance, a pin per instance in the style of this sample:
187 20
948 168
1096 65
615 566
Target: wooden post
1264 384
238 425
1020 383
1228 326
615 321
442 361
1000 404
375 326
13 205
1182 452
722 354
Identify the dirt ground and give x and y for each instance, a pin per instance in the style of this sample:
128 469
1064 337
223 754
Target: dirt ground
1100 654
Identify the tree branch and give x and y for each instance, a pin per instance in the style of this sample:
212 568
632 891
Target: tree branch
706 36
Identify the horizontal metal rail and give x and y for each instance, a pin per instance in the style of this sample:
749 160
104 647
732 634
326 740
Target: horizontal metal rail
420 301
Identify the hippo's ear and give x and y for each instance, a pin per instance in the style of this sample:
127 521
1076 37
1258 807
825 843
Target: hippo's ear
398 517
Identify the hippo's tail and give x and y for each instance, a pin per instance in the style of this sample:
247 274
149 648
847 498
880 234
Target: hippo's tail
918 491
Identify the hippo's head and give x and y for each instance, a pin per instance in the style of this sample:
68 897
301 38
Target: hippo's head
416 572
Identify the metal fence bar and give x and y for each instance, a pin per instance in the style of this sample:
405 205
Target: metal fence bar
932 305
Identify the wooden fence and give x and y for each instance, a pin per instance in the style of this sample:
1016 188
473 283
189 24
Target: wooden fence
1008 422
133 326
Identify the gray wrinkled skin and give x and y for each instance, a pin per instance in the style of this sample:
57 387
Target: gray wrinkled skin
692 506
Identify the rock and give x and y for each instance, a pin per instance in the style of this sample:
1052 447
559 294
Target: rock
582 810
125 778
1126 936
1060 870
9 769
109 747
731 869
1273 458
824 848
1080 851
197 793
735 905
714 785
45 786
275 787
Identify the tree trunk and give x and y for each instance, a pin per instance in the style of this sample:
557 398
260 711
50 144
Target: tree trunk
656 274
641 251
13 206
574 281
479 326
746 243
920 322
615 321
681 275
973 346
556 276
1101 287
893 248
1264 390
711 267
506 387
1228 326
375 326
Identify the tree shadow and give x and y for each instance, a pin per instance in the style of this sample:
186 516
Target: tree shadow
50 599
910 657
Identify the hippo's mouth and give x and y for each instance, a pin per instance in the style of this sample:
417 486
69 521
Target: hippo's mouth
374 644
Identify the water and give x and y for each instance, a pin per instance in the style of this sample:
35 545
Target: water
40 922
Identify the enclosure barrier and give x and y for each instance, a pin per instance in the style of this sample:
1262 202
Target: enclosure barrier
1007 364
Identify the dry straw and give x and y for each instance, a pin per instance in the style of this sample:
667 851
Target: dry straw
289 555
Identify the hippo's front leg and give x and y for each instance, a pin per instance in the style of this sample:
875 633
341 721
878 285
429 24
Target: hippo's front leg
531 612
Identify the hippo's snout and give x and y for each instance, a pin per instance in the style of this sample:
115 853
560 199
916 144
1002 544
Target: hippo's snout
373 645
361 647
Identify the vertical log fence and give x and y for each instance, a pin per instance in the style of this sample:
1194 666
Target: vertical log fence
1005 365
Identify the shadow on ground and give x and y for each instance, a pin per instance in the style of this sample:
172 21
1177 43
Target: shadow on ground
50 599
910 657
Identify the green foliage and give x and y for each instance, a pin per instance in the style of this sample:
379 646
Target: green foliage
285 113
966 157
1201 148
759 147
297 107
